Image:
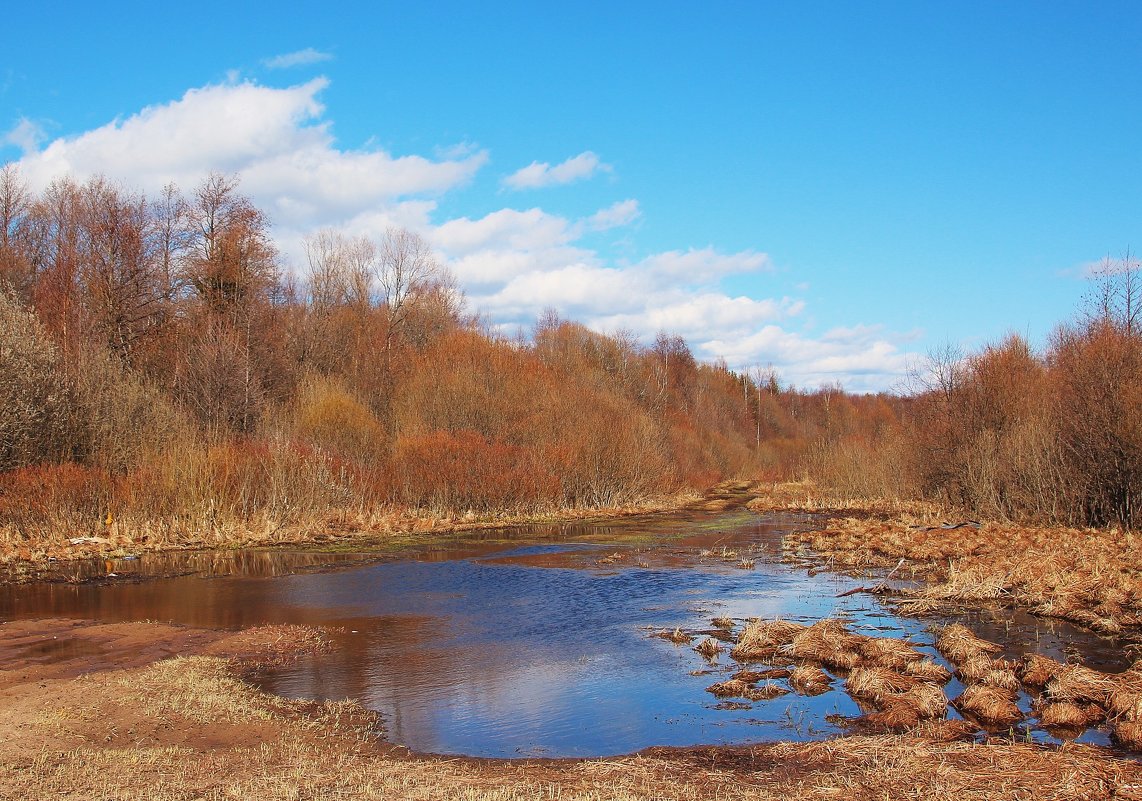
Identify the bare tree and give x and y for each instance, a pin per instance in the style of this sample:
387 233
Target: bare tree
15 202
120 273
1117 294
231 260
173 234
407 268
33 400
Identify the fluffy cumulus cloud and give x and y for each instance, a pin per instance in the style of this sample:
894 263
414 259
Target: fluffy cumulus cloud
540 174
512 262
274 138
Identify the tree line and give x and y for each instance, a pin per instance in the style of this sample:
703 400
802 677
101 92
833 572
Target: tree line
158 364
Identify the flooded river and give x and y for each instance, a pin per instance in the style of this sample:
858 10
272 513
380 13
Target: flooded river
536 641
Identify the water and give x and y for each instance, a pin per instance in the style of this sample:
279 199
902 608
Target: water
536 642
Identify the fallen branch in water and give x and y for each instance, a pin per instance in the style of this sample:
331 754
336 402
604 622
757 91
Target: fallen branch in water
878 589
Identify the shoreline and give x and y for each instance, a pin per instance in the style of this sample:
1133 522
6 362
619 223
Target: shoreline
169 710
189 726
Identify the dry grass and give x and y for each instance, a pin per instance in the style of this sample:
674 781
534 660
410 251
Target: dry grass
761 639
709 648
929 671
1125 699
982 669
1128 734
877 683
1087 576
989 705
1078 683
724 623
888 652
810 680
958 645
31 552
1068 715
828 642
678 636
740 688
1036 670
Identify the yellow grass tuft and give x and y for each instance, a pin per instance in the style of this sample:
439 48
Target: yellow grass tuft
678 636
888 652
709 648
957 643
739 688
877 683
928 670
989 705
1128 734
810 680
828 642
761 639
1036 670
1080 683
1069 715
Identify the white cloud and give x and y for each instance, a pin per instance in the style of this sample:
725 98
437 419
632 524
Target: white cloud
863 359
274 139
25 135
703 265
540 174
513 263
624 212
297 58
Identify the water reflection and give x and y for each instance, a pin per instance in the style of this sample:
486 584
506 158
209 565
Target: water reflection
534 642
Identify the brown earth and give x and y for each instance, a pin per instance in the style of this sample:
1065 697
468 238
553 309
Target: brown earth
160 712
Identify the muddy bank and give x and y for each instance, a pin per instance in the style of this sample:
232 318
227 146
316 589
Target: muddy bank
107 714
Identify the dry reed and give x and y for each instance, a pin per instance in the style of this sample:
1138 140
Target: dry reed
877 683
738 688
1128 734
1079 683
678 636
709 648
928 670
888 652
982 669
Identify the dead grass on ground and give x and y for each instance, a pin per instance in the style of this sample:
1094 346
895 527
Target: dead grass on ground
29 554
810 680
761 639
1088 576
959 645
189 728
991 706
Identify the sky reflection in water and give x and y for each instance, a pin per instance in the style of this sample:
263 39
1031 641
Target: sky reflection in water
535 647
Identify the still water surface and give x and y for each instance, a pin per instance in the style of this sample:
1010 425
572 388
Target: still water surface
534 642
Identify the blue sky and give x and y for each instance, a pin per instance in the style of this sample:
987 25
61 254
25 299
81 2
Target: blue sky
833 189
